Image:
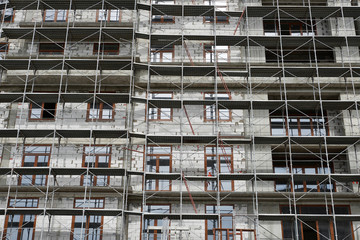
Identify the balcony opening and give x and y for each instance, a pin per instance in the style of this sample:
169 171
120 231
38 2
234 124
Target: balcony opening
42 111
160 114
52 15
290 28
317 227
299 124
111 15
162 54
312 161
159 160
8 15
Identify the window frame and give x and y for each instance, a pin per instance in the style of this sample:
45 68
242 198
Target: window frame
161 51
303 31
217 110
158 155
3 11
42 113
298 116
86 237
108 15
219 224
159 110
4 47
215 58
33 178
100 115
218 166
94 179
56 14
21 226
155 237
304 183
331 223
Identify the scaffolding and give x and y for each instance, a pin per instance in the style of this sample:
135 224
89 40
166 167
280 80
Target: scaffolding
163 119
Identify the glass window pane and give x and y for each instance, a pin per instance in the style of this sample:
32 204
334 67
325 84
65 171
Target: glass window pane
102 15
61 15
114 15
305 126
165 113
293 127
167 56
50 15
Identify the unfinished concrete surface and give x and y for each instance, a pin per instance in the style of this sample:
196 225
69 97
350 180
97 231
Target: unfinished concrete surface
180 119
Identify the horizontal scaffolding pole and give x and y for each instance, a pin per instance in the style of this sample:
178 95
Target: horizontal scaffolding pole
174 176
75 33
65 97
174 103
189 10
173 139
301 12
72 4
266 41
70 64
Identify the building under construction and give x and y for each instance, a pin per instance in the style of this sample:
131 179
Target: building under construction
180 119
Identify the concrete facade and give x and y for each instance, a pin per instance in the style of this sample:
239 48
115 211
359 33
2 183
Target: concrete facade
161 119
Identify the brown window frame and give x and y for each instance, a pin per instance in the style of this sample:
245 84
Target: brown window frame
217 115
108 15
290 24
86 237
298 117
35 163
42 113
161 52
4 47
20 228
214 51
331 223
303 167
3 16
218 166
56 13
158 110
155 220
158 155
94 179
100 117
221 216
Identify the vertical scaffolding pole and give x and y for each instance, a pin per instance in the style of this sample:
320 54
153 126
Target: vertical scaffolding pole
287 125
55 127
